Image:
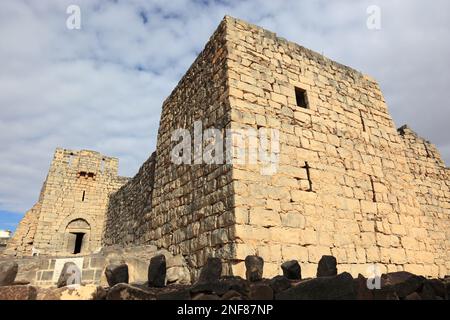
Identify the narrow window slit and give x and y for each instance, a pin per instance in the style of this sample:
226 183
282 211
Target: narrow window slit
374 196
84 194
362 121
308 175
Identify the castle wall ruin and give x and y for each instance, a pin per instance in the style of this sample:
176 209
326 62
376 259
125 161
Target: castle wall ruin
190 210
346 183
69 216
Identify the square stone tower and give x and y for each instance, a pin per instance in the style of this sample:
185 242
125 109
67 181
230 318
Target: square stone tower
68 218
344 184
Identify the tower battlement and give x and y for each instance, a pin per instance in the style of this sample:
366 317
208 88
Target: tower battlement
68 218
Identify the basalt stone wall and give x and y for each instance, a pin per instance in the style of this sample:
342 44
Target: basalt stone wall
344 184
189 209
126 221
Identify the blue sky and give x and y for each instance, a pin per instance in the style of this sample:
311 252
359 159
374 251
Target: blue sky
101 87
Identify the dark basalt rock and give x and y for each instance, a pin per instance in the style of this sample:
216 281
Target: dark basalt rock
279 283
339 287
157 271
255 268
402 283
8 273
211 271
261 291
327 267
292 270
116 274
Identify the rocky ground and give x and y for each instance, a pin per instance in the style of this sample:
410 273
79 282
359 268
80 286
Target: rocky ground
211 285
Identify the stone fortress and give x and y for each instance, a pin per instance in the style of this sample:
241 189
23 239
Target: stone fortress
348 184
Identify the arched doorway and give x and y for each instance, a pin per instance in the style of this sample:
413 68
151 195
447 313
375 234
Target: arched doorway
77 236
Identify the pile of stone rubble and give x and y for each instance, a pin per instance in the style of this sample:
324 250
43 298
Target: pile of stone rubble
211 285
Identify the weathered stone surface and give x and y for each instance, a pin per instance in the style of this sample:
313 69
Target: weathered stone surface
232 295
204 296
413 296
433 289
292 270
8 272
402 283
178 275
216 287
261 291
70 275
18 293
280 283
124 291
327 267
100 293
238 284
338 287
181 294
361 290
254 268
116 274
211 271
157 271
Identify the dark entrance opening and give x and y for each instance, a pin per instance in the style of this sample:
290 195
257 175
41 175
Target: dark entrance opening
78 242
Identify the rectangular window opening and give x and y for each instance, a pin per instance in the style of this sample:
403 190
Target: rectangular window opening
84 195
300 97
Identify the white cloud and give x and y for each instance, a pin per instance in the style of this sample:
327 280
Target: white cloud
102 87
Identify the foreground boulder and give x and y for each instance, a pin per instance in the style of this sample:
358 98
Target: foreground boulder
8 273
261 291
211 271
291 270
70 275
18 293
339 287
280 283
327 267
116 274
124 291
402 283
364 293
254 268
157 271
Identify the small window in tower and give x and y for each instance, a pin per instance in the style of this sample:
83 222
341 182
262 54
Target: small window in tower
84 195
300 97
83 173
91 175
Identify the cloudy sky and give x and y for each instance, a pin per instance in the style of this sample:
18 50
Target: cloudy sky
101 87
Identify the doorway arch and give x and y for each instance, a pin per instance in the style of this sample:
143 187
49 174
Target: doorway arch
77 234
